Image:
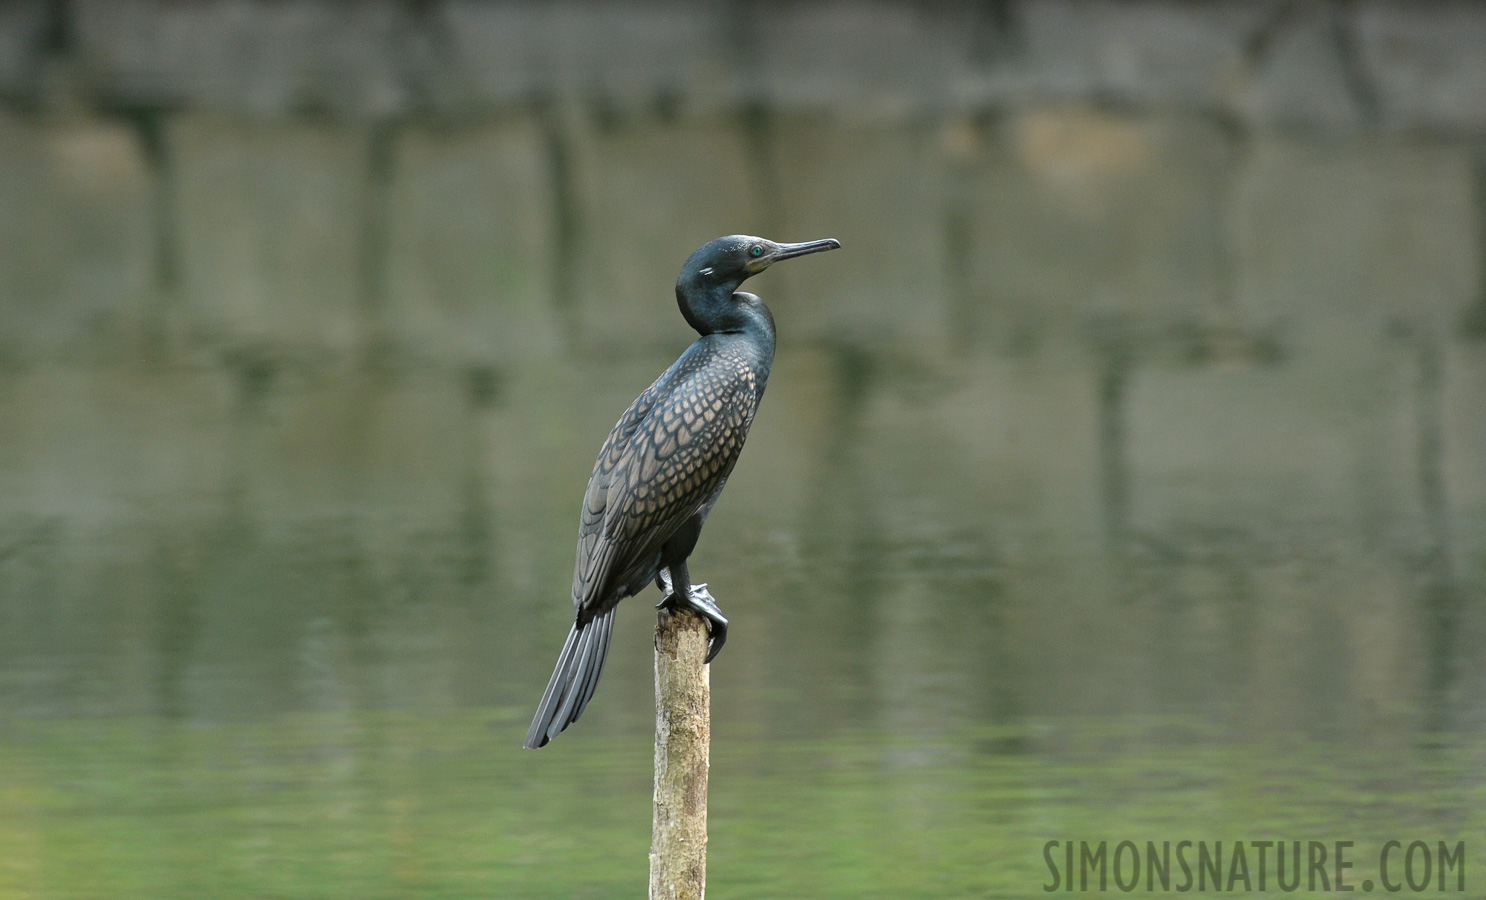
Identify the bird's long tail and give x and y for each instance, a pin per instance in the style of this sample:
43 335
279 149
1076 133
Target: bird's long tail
573 681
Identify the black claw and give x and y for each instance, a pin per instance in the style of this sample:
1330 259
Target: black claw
700 601
719 633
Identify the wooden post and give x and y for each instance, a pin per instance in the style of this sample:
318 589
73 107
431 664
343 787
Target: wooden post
683 736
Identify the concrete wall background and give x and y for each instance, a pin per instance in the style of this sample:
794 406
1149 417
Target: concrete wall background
1196 288
309 172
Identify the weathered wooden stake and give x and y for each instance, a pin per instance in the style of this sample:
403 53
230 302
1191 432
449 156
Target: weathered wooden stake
683 737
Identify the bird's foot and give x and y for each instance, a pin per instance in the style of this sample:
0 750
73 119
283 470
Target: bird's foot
700 601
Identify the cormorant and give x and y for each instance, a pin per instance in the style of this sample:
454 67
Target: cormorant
664 464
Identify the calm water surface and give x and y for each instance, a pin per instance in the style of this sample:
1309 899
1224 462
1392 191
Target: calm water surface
275 628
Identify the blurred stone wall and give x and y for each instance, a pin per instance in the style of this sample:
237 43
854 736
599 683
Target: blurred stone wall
1201 281
314 175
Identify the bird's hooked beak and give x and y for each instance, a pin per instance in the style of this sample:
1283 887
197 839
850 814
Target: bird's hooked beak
790 251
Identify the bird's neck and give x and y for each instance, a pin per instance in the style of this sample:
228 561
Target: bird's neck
723 314
723 309
757 331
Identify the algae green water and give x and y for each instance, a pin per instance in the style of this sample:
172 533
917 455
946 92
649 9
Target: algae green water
269 631
426 805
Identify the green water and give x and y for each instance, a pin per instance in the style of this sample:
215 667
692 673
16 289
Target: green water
274 632
398 805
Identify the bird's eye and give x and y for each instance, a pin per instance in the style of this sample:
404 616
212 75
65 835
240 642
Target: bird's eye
756 252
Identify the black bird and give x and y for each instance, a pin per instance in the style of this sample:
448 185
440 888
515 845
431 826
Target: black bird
664 464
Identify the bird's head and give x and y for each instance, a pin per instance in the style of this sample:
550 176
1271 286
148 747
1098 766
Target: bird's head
728 261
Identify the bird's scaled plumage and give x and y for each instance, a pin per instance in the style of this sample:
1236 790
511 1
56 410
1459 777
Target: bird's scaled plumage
664 464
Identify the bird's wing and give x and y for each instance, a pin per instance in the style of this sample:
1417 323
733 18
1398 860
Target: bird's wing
673 456
592 559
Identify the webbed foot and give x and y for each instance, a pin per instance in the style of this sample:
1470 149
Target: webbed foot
700 601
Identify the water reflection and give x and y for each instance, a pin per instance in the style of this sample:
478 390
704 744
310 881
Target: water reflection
275 627
906 548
